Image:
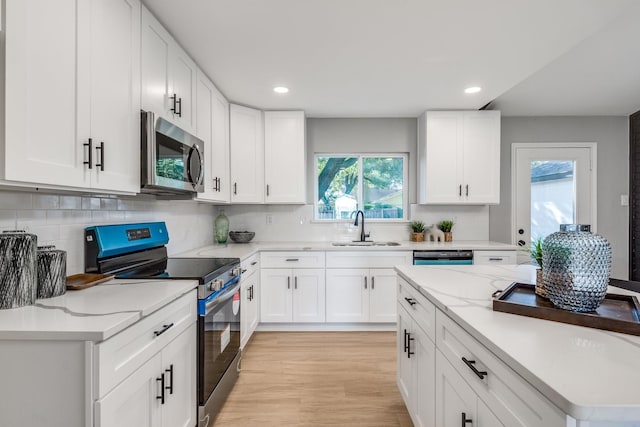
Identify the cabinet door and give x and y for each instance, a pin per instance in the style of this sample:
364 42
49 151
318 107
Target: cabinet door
309 295
442 142
219 156
481 159
204 131
249 307
382 295
247 155
276 295
347 295
404 374
115 94
155 52
179 365
43 143
253 317
284 162
182 84
454 397
133 402
424 377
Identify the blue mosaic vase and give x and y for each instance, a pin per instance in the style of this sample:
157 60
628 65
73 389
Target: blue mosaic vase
575 266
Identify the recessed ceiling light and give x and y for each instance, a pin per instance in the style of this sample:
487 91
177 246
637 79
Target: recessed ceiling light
473 89
280 89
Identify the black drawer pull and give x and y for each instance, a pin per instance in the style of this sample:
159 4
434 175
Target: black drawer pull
471 365
254 262
411 301
405 341
162 388
101 149
496 259
292 259
164 329
170 386
89 145
409 339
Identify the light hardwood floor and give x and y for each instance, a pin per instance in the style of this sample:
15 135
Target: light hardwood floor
317 379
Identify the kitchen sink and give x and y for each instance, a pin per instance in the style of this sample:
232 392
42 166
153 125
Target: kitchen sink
366 243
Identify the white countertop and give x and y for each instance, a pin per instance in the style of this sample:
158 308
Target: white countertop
590 374
92 314
245 250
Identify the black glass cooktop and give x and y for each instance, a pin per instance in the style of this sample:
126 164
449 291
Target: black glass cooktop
202 269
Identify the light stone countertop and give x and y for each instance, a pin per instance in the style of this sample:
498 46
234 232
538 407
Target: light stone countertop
92 314
245 250
590 374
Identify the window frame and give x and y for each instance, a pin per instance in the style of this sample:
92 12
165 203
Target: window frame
360 192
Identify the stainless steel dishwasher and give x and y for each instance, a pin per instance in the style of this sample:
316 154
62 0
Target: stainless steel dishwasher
438 257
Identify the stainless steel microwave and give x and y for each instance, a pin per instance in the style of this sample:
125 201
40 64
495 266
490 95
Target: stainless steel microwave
172 159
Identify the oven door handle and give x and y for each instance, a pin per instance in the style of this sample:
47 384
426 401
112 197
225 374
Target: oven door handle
209 305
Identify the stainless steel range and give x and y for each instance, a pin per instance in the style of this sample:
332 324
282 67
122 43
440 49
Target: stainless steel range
138 251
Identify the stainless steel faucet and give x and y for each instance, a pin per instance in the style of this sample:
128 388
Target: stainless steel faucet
363 236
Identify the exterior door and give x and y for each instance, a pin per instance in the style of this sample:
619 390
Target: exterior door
553 184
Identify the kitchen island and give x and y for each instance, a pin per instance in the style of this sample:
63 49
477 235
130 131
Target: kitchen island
584 376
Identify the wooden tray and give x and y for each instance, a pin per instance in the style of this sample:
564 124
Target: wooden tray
617 313
83 281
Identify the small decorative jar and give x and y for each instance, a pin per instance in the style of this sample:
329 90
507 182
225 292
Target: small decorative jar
221 224
576 267
52 272
18 274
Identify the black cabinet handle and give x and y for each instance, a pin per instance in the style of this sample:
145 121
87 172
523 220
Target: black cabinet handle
365 282
89 145
101 149
179 102
465 421
292 259
235 188
251 293
495 259
471 365
295 282
467 190
373 282
460 190
162 388
174 98
164 329
405 341
409 339
170 372
267 190
288 282
254 262
411 301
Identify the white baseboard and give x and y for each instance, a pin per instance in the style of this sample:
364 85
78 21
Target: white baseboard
325 327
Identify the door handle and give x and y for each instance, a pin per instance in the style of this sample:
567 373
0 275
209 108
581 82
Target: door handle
101 149
460 190
373 282
465 421
162 388
267 190
89 161
521 243
288 282
170 372
467 190
295 282
471 365
365 282
235 188
411 301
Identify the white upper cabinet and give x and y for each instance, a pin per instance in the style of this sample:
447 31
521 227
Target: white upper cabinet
459 157
168 75
212 126
74 122
285 162
247 154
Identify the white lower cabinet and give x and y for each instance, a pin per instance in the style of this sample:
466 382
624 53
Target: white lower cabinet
292 295
162 392
471 386
494 257
361 295
416 369
249 294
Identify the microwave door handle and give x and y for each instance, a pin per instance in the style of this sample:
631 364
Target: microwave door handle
198 180
150 129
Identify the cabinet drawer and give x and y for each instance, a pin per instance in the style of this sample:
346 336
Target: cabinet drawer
292 259
494 257
119 356
419 308
369 259
510 398
250 265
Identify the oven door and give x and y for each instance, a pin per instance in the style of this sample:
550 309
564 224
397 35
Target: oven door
219 339
172 158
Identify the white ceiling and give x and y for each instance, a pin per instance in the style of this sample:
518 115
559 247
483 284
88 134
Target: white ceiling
398 58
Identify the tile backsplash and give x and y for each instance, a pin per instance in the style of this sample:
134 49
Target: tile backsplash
61 219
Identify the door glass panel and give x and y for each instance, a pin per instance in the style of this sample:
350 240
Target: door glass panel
553 200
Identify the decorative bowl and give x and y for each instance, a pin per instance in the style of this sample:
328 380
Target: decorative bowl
241 236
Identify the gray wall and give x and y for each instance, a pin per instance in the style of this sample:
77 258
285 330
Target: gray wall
377 135
612 136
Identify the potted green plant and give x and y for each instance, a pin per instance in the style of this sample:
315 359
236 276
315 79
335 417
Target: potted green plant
445 226
417 234
536 256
